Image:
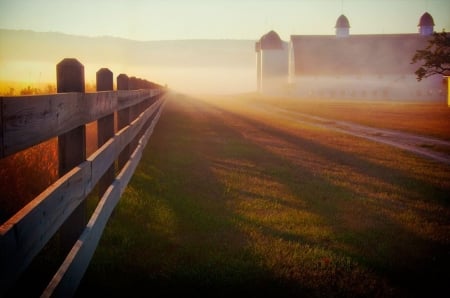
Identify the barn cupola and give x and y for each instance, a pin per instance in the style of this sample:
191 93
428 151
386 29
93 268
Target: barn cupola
342 26
270 41
426 24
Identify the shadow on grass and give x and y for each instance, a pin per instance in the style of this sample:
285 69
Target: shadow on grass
182 228
389 245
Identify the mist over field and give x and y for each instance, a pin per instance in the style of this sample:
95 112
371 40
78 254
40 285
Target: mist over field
200 66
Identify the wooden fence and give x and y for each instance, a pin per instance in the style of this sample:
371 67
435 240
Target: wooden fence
29 120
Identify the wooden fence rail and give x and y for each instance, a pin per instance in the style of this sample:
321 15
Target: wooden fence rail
29 120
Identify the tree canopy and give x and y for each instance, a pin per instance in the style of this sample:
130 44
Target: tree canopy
435 57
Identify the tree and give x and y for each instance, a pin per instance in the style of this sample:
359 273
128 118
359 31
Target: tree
436 56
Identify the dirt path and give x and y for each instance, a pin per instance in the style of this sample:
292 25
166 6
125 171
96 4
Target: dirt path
432 148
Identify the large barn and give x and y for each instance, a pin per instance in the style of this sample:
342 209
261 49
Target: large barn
347 66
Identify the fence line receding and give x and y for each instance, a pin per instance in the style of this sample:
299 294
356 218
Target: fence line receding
125 120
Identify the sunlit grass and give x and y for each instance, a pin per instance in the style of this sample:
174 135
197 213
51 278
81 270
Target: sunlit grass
21 88
26 174
17 88
424 118
230 200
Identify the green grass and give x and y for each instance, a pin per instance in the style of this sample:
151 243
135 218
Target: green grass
229 201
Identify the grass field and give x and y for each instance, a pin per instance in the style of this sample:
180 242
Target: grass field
25 174
231 200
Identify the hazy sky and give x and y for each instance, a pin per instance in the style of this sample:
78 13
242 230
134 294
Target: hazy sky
200 19
217 19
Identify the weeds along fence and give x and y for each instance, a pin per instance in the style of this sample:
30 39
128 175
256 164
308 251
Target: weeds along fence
125 120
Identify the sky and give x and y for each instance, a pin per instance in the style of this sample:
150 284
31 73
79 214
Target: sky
217 19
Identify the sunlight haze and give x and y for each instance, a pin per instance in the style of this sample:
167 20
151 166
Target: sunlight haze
175 20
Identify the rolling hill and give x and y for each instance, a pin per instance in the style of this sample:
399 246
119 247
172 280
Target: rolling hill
189 65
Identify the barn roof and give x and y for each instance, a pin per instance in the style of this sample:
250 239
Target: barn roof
342 22
357 54
270 40
426 20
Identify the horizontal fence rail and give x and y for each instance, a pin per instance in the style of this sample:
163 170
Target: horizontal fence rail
29 120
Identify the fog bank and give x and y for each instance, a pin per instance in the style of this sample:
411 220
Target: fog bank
194 66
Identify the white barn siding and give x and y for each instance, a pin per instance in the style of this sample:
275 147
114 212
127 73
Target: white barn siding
274 69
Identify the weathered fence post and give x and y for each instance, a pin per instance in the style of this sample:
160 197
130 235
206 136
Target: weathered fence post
122 82
123 118
104 79
105 126
133 83
71 149
69 76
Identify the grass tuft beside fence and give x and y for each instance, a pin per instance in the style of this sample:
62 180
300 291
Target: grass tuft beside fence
26 174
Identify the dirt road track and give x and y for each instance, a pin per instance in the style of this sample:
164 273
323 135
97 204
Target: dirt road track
432 148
